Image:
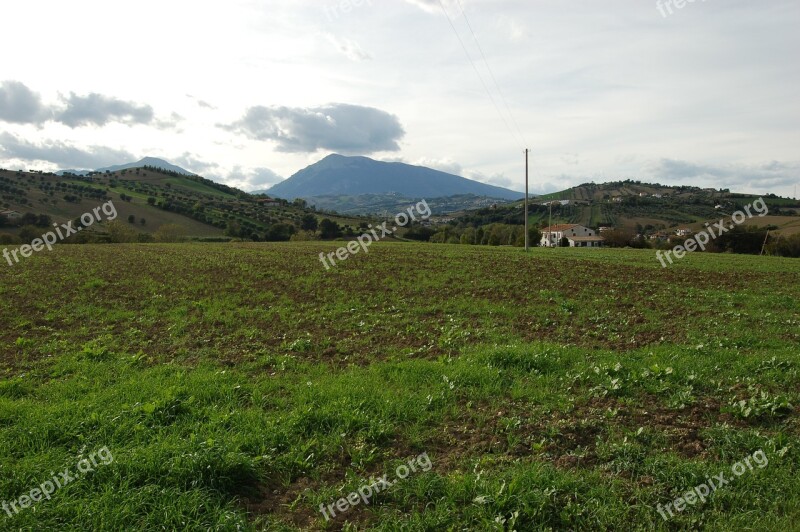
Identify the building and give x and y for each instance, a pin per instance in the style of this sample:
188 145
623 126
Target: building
578 236
684 232
11 215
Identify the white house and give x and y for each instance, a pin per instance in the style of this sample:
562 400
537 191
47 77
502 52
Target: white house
684 232
11 215
577 235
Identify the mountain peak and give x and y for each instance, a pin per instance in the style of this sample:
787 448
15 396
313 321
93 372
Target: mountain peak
148 161
362 175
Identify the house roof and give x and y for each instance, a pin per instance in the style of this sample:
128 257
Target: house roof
559 228
586 238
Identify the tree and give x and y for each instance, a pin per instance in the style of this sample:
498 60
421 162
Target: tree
234 229
309 222
564 242
329 229
29 219
534 236
618 238
279 233
143 221
420 233
131 219
3 221
468 236
151 200
44 220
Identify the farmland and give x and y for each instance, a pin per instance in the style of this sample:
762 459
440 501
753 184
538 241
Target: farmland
241 386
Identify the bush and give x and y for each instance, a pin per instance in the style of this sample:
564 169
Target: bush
170 233
29 232
303 236
120 233
279 233
785 246
7 239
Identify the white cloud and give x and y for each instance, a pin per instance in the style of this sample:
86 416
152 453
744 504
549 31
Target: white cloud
350 129
61 154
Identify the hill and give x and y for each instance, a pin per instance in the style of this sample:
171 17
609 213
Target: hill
337 175
148 198
640 208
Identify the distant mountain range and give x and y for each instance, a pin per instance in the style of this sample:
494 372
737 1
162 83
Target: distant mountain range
147 161
337 175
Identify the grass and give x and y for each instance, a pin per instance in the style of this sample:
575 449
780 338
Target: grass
241 386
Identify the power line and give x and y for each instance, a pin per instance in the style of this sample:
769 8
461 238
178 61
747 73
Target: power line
477 71
491 73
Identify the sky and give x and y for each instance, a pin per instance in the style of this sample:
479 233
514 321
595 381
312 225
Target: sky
248 92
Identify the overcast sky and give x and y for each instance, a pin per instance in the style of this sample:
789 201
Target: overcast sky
249 92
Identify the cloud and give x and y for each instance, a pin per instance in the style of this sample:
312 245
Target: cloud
250 179
60 153
443 165
193 163
349 48
764 176
499 180
20 105
344 128
201 103
170 123
99 110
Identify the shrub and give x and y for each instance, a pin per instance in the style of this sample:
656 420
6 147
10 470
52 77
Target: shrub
170 233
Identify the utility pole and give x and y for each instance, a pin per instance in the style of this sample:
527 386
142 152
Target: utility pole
527 245
550 226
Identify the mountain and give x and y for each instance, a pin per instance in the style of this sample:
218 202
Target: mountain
147 161
337 175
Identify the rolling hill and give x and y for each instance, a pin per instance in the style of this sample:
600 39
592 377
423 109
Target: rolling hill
149 198
337 175
640 207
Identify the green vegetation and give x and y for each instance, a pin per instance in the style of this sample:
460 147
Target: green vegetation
202 208
240 386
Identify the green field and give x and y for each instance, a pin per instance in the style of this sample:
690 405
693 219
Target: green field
241 386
